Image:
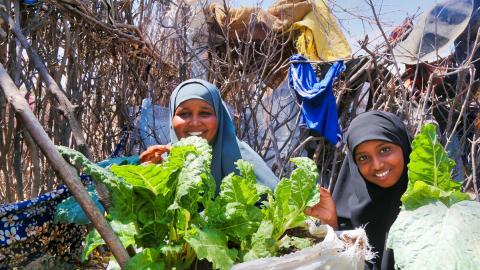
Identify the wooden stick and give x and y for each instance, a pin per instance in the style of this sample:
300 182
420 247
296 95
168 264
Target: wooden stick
65 106
66 172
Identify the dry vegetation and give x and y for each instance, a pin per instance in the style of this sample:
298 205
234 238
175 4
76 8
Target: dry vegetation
106 56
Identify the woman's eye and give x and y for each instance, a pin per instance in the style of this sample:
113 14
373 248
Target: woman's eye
183 114
362 158
385 150
205 113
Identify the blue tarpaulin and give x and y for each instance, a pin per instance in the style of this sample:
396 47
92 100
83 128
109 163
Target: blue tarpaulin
319 109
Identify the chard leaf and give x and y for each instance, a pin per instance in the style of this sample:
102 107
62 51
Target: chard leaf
92 241
288 242
151 177
125 232
153 220
147 259
434 236
195 182
234 211
263 242
429 173
291 197
211 244
135 200
123 202
420 193
429 162
96 172
240 221
304 181
240 188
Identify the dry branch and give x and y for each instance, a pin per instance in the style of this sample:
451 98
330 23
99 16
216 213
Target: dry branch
64 170
64 105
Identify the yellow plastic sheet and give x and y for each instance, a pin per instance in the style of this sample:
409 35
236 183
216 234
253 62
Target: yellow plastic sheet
320 38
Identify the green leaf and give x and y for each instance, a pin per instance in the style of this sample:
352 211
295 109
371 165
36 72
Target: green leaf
148 259
125 232
241 189
151 177
429 172
292 196
429 162
211 244
434 236
421 194
304 181
122 203
96 172
234 211
92 241
195 183
240 221
263 242
294 242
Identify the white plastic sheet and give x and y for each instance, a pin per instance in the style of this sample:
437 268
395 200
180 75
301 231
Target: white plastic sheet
346 250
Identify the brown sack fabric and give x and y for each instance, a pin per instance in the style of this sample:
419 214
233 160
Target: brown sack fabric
278 18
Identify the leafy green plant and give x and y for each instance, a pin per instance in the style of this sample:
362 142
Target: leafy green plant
435 236
169 211
437 227
429 173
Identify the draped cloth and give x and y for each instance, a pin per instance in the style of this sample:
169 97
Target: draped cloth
319 109
227 148
364 203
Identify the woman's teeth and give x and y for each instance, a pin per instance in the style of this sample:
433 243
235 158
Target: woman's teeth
383 174
195 133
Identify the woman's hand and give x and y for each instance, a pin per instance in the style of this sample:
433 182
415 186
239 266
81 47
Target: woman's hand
325 210
153 154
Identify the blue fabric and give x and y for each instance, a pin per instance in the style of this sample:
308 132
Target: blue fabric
319 110
16 218
30 2
27 231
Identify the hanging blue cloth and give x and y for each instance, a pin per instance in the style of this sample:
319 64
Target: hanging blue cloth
319 109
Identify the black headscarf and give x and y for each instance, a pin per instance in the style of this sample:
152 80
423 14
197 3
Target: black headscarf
364 203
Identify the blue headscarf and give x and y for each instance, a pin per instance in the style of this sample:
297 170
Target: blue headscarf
227 148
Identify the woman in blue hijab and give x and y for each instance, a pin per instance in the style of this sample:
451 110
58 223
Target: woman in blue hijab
196 109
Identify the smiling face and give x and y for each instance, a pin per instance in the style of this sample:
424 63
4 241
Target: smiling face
195 117
380 162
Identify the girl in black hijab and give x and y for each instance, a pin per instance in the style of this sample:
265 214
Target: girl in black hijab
371 181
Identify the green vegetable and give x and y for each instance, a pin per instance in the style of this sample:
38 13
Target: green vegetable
125 232
285 208
211 244
96 172
435 236
288 242
429 173
148 259
234 211
292 196
436 228
158 208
